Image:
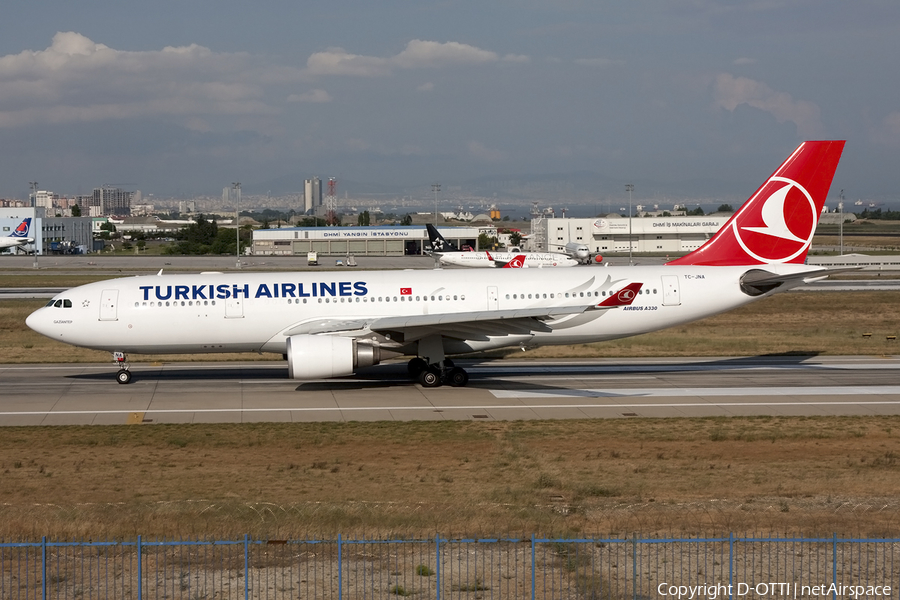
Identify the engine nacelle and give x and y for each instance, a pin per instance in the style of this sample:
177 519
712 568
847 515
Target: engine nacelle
323 356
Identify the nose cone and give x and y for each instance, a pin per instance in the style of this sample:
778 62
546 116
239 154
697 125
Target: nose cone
37 321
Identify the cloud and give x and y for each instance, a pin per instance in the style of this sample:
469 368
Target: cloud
418 54
313 96
336 61
730 92
78 80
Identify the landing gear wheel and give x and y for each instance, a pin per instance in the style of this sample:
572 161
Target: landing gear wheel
416 366
430 378
457 377
123 376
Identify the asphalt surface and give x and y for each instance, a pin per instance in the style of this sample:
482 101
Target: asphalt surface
498 390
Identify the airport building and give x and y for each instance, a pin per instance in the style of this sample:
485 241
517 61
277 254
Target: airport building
612 234
360 241
64 235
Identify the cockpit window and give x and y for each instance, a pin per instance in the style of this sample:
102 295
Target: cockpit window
67 303
51 303
58 303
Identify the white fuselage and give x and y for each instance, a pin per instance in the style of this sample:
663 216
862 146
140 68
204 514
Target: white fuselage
498 259
237 312
14 242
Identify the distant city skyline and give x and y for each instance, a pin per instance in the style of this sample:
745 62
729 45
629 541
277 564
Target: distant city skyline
689 98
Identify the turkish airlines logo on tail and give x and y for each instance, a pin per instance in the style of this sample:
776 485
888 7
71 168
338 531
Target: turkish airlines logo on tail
779 228
517 262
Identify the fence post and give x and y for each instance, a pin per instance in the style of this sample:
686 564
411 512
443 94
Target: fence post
437 564
731 566
340 572
634 573
246 567
533 580
834 565
140 579
44 567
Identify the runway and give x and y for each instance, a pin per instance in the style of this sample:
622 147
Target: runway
82 394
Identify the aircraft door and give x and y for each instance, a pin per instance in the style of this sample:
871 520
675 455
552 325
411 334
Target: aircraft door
671 292
493 298
109 301
234 308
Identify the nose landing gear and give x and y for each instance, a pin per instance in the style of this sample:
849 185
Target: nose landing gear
124 375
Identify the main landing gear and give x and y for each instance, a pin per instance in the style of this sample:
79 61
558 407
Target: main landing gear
124 375
436 375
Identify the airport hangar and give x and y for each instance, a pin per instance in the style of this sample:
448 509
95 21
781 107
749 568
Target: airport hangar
602 235
611 234
359 241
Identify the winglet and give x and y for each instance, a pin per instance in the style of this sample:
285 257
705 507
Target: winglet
623 297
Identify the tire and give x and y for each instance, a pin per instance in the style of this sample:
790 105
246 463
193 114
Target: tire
430 378
123 376
457 377
415 367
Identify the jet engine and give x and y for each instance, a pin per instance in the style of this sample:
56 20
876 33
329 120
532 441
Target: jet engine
323 356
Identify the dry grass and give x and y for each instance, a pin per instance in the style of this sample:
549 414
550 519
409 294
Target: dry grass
799 323
815 475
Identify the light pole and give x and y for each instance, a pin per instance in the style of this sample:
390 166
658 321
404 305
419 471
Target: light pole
841 209
34 188
435 187
629 187
237 222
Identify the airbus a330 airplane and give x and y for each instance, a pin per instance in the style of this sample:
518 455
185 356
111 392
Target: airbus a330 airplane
19 237
327 324
449 254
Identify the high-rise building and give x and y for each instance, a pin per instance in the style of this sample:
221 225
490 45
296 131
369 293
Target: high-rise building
112 201
312 194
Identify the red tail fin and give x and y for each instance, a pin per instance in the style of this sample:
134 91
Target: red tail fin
517 262
777 223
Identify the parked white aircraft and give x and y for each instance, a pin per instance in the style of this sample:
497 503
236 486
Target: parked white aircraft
327 324
19 237
580 252
449 254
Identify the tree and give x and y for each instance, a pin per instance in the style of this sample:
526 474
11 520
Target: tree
363 220
515 238
725 208
76 210
697 212
406 221
486 242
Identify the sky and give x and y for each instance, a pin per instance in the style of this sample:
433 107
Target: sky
181 98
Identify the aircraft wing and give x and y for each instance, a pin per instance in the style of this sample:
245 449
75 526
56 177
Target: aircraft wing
473 325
